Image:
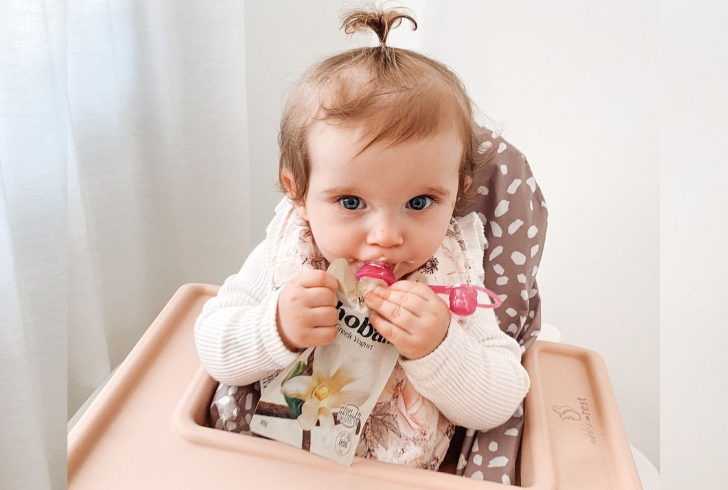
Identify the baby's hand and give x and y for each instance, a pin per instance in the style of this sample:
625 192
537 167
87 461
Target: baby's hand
307 313
411 316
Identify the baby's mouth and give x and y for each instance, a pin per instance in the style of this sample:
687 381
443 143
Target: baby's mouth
394 267
355 264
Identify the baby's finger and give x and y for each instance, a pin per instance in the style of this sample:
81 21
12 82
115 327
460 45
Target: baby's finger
388 330
320 336
317 278
322 316
320 296
405 299
393 312
416 288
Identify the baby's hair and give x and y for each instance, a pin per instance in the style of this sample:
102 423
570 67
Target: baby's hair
379 21
397 95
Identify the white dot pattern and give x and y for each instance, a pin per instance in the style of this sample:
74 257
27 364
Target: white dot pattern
518 258
498 462
513 227
514 186
496 229
495 253
501 208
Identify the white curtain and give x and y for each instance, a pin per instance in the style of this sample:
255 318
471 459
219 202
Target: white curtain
123 161
32 245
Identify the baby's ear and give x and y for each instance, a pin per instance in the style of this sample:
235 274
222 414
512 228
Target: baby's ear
290 186
466 185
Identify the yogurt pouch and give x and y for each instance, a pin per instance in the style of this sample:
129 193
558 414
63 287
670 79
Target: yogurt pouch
321 402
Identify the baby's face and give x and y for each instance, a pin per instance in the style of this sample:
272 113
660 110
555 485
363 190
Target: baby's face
387 204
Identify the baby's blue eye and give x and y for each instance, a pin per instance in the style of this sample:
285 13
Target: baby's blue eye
350 202
419 203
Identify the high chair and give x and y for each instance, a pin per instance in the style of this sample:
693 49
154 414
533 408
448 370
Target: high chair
147 429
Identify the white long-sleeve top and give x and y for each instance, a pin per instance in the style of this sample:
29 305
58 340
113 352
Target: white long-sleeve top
474 377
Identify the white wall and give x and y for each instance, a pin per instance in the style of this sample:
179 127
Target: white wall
694 264
574 85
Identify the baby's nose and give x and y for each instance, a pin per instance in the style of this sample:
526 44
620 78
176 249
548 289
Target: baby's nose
385 233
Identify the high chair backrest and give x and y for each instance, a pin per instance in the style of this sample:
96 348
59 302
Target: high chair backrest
505 195
514 214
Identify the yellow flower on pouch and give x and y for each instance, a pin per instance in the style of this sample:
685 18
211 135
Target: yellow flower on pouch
331 385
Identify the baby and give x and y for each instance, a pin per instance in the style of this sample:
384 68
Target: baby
377 146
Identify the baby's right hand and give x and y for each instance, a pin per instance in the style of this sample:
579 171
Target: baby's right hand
307 313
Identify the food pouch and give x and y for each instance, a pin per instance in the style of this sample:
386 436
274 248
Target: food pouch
322 400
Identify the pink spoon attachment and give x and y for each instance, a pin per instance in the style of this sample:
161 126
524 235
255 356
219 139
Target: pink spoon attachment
464 298
377 271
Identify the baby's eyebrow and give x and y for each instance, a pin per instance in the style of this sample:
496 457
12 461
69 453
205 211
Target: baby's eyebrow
437 190
340 190
344 190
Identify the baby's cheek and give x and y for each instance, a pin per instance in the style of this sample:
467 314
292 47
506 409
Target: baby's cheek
335 244
428 245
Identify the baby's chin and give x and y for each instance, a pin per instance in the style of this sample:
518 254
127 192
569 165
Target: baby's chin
403 269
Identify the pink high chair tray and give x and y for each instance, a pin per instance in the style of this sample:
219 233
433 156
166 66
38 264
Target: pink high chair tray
146 429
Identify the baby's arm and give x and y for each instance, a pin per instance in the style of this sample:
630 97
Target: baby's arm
236 334
475 376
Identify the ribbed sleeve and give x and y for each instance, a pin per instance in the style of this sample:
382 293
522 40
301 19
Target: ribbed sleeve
236 334
474 377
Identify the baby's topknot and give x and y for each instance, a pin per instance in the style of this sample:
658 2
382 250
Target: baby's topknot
379 20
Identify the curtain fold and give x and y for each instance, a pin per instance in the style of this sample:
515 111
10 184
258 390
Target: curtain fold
124 174
33 122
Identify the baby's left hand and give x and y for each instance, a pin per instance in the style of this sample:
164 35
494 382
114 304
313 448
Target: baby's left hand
409 315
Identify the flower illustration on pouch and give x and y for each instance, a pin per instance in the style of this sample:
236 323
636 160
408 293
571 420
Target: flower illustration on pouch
330 386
